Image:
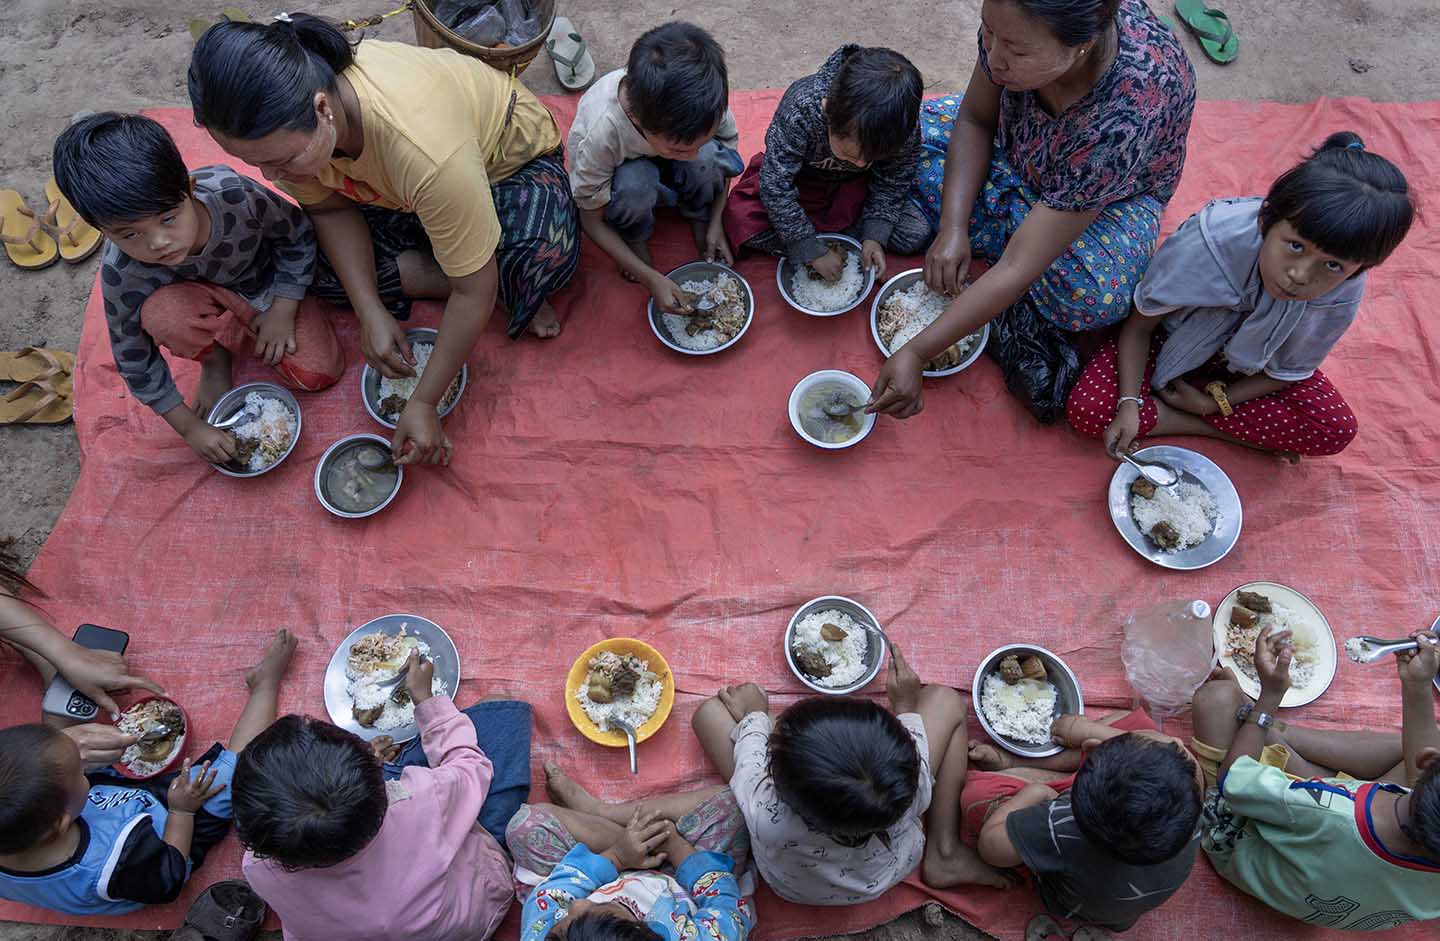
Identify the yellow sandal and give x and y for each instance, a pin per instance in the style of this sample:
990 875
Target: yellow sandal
25 239
32 403
77 238
35 364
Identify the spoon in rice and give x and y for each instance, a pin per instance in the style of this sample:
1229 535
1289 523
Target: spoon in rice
629 730
1370 649
246 413
1161 475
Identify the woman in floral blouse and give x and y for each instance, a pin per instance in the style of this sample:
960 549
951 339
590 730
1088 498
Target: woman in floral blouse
1065 148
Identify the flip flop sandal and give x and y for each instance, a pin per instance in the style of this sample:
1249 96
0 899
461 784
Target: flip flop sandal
35 364
33 403
1212 30
226 911
77 238
567 48
24 236
1045 928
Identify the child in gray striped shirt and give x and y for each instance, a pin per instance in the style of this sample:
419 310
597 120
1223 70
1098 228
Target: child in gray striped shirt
208 265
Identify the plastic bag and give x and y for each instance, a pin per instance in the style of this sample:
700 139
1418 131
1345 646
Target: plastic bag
1168 651
1038 359
486 28
523 20
454 12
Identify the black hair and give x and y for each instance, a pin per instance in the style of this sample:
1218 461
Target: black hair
849 768
307 794
1349 202
676 82
1424 825
598 926
32 789
248 80
119 168
1073 22
1137 799
875 100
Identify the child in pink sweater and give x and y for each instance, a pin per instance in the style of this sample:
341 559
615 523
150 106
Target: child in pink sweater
336 849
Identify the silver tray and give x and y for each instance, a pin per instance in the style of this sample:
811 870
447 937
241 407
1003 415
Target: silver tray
1194 468
442 652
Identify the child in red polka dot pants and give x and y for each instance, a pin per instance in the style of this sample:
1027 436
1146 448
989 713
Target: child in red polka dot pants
1251 294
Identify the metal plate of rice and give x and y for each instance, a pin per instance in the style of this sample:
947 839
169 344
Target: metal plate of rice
874 650
1068 698
442 651
664 326
233 401
902 282
370 379
1194 468
1304 615
785 271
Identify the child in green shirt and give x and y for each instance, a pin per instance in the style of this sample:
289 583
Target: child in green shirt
1340 829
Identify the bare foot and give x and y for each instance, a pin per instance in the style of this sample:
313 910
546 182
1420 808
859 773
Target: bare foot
960 866
546 322
642 251
215 381
271 668
989 758
566 792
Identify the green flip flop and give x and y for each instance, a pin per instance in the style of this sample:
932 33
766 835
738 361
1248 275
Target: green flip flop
1212 30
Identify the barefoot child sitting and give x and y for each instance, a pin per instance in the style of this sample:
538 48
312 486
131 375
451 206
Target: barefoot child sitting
105 845
1252 294
325 831
840 155
661 869
208 265
1106 828
835 790
657 133
1335 828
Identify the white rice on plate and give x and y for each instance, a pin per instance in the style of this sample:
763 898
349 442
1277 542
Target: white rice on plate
845 658
1188 507
1022 711
819 294
270 432
1240 644
366 694
375 659
905 313
720 324
144 717
405 387
635 708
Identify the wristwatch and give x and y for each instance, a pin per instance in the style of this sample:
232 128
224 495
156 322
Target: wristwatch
1217 392
1263 719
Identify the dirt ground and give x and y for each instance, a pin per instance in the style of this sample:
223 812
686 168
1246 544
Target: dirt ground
58 57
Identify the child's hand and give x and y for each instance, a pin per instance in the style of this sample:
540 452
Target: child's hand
744 699
829 265
1418 667
188 794
1182 395
902 684
1120 435
213 444
677 849
385 748
1273 653
419 426
872 256
668 296
717 246
419 680
640 846
275 331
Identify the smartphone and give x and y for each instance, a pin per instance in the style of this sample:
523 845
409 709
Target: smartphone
61 699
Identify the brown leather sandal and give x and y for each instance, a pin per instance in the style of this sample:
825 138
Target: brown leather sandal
226 911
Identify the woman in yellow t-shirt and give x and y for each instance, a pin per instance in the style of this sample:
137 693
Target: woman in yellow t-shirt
428 175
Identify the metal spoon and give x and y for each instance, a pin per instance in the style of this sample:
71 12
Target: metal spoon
245 414
838 408
153 734
374 459
629 731
697 301
1161 475
1368 649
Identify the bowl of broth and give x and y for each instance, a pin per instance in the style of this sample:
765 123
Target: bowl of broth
834 389
345 486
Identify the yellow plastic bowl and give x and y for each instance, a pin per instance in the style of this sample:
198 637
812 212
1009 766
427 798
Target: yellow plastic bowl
621 646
